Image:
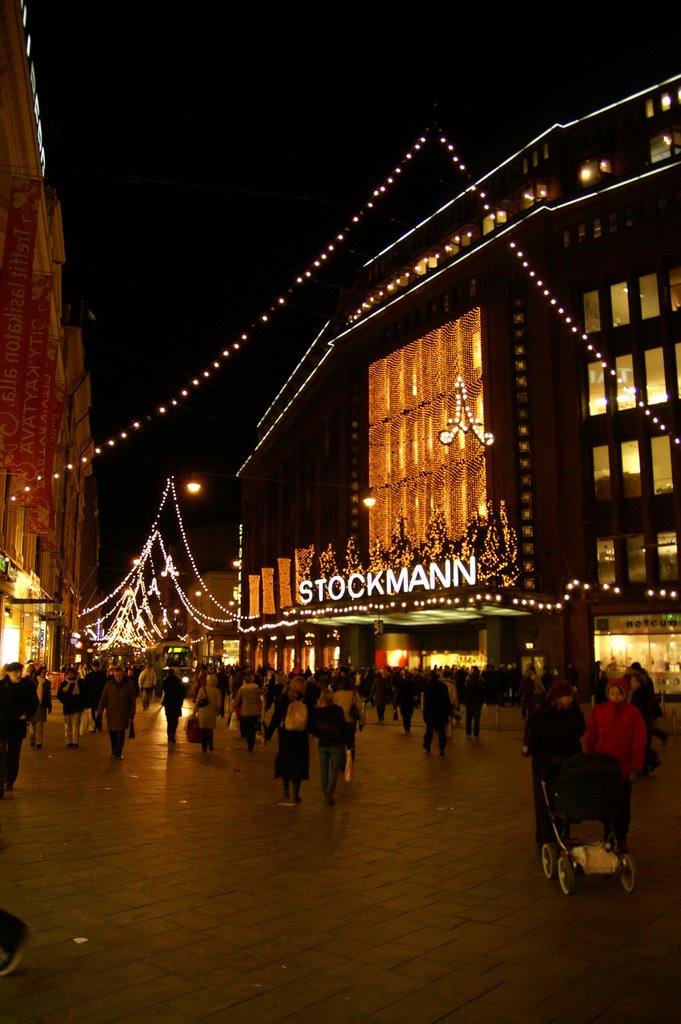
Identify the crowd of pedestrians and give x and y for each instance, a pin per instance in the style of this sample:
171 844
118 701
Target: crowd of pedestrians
332 706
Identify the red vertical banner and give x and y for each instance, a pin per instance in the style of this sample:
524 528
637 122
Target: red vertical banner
41 518
15 296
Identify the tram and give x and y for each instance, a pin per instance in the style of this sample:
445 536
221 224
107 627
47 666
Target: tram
171 654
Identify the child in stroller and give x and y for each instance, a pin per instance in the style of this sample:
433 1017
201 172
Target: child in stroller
587 787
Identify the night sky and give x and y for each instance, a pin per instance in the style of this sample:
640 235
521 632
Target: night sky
203 161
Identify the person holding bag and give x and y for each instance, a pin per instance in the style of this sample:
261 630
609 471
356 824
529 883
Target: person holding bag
206 709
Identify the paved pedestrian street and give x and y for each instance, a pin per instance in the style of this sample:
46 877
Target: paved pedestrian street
177 886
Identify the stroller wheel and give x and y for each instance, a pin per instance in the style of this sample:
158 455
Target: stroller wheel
566 874
627 873
548 860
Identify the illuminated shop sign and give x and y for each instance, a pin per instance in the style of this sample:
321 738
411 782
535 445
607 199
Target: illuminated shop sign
385 582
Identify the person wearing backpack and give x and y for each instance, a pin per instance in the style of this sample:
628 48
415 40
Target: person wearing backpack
292 720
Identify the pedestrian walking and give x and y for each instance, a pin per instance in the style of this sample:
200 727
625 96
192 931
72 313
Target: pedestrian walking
436 712
43 691
72 698
554 731
18 703
291 719
173 699
147 684
119 703
617 728
249 701
328 725
206 708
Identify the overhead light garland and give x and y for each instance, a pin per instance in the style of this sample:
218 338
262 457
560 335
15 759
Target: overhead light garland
135 607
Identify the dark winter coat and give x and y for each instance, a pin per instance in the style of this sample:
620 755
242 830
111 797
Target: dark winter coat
119 702
18 702
437 707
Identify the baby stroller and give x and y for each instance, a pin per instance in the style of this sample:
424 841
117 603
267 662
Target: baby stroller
587 787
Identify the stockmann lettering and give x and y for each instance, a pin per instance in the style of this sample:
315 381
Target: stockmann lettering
385 582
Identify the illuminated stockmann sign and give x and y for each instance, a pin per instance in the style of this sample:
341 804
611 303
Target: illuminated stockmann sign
385 582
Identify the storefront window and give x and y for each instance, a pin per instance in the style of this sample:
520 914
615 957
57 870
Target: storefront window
636 559
597 399
650 302
602 472
631 469
626 391
619 299
662 464
653 641
605 553
667 556
656 387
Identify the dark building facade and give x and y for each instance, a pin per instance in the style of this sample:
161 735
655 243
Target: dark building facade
504 384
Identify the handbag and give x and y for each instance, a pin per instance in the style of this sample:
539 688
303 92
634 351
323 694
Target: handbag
203 701
193 730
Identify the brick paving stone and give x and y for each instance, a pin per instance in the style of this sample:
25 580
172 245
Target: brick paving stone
206 898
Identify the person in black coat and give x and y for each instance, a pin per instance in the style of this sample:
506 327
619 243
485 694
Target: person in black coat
173 699
554 733
474 697
437 709
292 763
18 703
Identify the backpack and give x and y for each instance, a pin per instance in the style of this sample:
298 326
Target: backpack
296 716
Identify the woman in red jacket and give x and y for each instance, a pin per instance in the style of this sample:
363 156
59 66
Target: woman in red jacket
617 728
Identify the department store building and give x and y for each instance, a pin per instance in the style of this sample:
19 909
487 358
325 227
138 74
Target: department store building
503 384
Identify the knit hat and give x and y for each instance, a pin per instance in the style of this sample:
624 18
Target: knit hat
558 689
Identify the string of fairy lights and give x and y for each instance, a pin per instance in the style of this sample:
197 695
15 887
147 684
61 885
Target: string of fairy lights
137 613
457 244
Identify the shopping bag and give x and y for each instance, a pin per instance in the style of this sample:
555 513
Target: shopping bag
86 722
193 730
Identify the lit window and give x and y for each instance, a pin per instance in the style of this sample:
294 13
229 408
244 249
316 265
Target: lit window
612 223
631 469
650 302
665 101
662 464
588 172
675 288
602 472
664 145
488 223
605 555
619 298
581 232
592 312
566 238
667 555
650 108
626 391
636 559
597 400
656 389
597 227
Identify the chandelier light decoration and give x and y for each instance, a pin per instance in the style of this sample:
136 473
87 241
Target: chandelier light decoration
464 419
